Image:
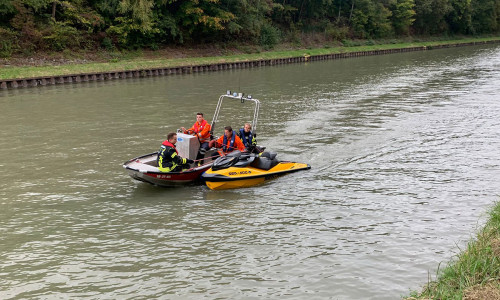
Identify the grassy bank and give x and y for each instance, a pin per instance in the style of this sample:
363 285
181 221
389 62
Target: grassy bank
475 274
123 63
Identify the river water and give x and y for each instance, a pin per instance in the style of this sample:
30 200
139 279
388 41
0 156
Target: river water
404 151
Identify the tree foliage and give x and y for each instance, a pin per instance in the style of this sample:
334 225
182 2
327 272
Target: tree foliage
31 25
403 16
431 15
371 19
485 16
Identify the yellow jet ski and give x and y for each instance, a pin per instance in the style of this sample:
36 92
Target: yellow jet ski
238 170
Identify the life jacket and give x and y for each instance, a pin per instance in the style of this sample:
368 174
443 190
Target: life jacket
231 144
166 164
169 144
199 128
247 141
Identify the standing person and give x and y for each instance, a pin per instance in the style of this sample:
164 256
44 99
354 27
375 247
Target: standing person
228 142
247 137
201 129
168 159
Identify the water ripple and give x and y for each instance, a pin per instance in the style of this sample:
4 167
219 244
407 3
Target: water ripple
404 162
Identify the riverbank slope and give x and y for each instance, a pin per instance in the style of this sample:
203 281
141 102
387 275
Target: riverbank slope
17 68
475 273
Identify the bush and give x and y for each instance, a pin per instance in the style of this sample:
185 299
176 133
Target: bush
269 36
62 37
8 40
336 33
357 43
294 35
107 44
154 46
5 48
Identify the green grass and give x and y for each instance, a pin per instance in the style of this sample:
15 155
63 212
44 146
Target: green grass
137 61
477 265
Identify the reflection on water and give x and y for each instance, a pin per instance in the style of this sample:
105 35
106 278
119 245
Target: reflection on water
403 150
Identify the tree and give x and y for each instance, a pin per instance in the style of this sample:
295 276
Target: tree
485 16
7 11
459 18
403 16
430 16
196 18
133 23
370 19
249 17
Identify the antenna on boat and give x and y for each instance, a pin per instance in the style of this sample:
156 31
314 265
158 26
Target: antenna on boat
239 81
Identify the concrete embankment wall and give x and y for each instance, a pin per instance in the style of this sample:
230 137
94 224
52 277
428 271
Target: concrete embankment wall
86 77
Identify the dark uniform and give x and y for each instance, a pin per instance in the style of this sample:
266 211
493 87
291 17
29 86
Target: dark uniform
248 139
169 160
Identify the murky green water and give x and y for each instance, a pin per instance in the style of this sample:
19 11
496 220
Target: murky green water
404 155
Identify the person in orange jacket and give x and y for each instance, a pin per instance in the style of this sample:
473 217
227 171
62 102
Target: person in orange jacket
201 129
228 142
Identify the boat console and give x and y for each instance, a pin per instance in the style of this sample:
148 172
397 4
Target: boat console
187 145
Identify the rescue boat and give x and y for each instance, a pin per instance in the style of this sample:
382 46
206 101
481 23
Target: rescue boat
239 170
145 168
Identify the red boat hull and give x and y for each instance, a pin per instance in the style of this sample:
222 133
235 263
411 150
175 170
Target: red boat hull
143 169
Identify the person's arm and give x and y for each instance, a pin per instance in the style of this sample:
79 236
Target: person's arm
239 144
219 142
175 157
190 130
180 160
254 140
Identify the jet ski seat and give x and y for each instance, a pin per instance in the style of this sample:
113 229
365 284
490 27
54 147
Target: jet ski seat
270 155
265 161
244 160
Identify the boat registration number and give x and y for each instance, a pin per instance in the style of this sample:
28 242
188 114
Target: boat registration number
241 173
163 176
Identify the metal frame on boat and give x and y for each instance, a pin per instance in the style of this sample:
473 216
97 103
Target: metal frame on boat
242 98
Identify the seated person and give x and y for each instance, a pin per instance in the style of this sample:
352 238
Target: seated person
228 142
248 138
201 129
168 159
